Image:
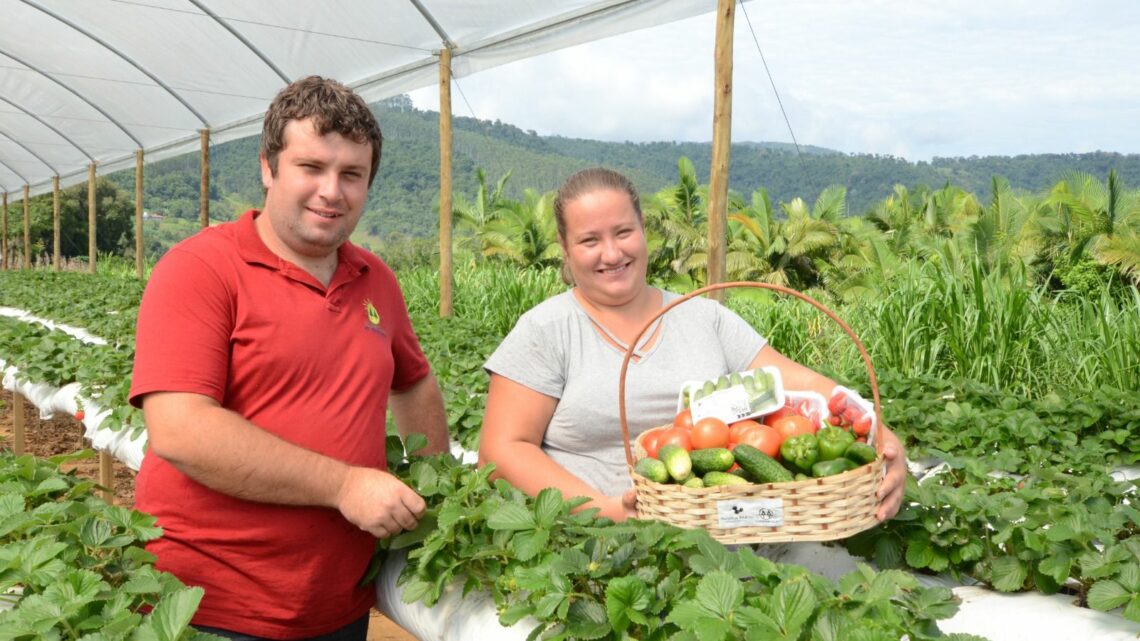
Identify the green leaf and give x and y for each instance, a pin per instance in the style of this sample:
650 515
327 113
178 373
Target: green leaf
626 599
686 614
1008 574
712 629
792 605
1056 567
587 620
171 617
527 545
1132 610
829 626
720 593
511 516
1129 577
919 554
1060 532
548 506
1106 595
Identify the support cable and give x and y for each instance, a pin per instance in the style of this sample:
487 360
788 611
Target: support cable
776 92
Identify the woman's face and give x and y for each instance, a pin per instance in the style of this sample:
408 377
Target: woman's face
605 246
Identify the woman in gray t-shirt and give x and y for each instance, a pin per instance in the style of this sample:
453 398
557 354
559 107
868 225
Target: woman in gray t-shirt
552 408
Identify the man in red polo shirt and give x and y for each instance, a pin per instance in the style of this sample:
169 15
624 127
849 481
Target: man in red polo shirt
268 351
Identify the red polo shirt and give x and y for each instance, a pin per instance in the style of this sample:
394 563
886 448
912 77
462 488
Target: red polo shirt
225 317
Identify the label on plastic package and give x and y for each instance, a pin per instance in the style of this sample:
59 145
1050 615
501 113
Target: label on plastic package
733 397
752 512
729 405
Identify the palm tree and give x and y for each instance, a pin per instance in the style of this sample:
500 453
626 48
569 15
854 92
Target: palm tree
1095 221
524 232
474 216
785 252
676 224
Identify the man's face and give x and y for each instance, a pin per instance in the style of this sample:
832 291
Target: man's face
316 198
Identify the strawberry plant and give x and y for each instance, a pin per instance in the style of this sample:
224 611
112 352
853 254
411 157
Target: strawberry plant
73 567
587 578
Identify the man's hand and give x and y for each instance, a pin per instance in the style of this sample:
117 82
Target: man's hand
379 503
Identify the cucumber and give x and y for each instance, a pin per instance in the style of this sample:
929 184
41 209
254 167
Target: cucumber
761 467
652 469
694 482
677 461
714 479
761 399
711 459
830 468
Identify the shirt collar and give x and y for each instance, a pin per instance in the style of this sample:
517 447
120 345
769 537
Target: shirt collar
253 250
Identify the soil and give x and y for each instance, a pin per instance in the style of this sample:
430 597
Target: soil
63 434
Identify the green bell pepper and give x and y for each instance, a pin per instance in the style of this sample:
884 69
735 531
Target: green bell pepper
861 453
833 442
800 451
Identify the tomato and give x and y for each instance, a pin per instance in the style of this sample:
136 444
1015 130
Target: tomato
790 426
862 425
764 438
786 410
683 419
649 441
737 430
710 432
677 435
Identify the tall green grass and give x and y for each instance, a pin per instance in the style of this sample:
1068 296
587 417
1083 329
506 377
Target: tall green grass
494 294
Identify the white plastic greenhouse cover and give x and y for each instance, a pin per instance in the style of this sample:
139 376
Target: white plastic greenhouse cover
85 81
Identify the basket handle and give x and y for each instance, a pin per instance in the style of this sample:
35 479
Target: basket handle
716 286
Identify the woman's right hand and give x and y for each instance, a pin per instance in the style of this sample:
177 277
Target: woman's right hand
617 508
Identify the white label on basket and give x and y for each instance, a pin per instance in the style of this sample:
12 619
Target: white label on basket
742 513
729 405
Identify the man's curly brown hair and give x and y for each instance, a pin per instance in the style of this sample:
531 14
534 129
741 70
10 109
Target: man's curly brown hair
333 108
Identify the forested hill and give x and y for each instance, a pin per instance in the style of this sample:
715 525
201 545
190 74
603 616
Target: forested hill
405 195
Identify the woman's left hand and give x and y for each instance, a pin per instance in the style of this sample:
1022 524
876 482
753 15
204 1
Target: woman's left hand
890 493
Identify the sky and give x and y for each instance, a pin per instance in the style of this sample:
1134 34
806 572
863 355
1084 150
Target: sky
912 79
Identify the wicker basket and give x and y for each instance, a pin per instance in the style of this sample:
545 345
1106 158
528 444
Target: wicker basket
823 509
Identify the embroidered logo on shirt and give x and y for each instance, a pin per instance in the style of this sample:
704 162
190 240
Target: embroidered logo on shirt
373 315
373 318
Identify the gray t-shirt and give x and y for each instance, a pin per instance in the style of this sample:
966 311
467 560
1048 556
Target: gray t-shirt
556 349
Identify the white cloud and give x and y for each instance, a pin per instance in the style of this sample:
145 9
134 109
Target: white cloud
913 79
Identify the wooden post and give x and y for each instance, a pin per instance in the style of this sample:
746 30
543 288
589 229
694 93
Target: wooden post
27 229
107 476
139 214
204 189
4 233
55 225
91 250
17 423
445 266
721 142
